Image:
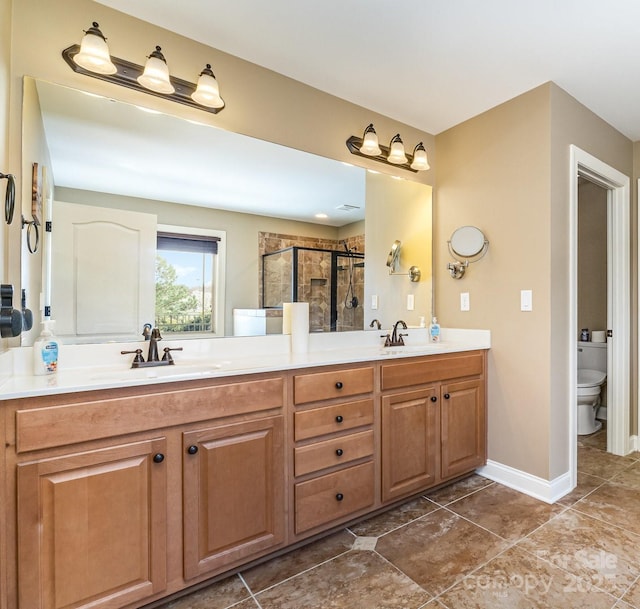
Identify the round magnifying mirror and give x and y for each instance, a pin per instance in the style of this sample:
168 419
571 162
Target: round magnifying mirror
393 254
467 241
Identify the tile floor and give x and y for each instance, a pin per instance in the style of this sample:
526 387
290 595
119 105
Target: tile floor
475 544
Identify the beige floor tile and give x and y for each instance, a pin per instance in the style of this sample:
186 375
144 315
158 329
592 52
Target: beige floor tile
220 595
598 463
632 597
623 605
439 549
596 440
459 489
629 477
397 517
290 564
604 555
586 484
613 503
356 580
505 512
517 580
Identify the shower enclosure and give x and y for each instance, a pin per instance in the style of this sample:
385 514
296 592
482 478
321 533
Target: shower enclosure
331 281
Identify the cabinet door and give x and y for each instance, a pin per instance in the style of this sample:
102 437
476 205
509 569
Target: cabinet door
463 427
92 527
409 442
233 493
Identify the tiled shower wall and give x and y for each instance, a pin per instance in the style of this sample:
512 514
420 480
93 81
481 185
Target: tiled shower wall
314 280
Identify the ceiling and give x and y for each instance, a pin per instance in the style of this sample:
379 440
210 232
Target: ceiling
428 63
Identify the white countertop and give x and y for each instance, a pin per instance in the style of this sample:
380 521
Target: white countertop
93 367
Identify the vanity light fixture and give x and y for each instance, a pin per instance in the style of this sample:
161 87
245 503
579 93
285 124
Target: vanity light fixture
394 154
92 58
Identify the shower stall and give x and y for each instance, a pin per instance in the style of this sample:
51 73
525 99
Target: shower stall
331 281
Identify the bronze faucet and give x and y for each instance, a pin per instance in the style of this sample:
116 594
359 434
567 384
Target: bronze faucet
396 338
376 322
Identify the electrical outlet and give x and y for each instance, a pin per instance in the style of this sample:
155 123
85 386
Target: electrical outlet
411 302
464 301
374 302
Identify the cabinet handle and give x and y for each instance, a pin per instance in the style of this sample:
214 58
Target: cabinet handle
339 385
339 452
158 458
339 497
192 450
434 398
339 419
446 396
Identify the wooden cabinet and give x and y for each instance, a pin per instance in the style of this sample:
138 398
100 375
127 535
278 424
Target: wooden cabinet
92 527
433 423
334 447
409 442
233 488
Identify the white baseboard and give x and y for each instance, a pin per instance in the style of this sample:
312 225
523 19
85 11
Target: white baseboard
548 491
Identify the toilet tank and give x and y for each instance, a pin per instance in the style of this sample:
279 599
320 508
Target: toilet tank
592 356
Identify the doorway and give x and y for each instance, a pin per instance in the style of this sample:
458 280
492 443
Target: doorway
584 165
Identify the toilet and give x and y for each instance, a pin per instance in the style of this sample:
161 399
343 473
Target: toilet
592 375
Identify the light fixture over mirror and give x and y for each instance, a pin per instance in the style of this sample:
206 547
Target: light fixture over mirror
394 154
92 58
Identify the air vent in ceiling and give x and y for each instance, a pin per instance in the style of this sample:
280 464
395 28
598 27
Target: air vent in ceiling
347 207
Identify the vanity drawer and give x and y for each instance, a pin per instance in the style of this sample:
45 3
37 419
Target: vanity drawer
327 498
431 369
337 451
326 385
329 419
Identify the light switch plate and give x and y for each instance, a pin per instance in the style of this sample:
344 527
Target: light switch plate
526 300
374 302
411 302
464 301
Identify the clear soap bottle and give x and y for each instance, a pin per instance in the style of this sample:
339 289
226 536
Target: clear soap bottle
45 351
434 331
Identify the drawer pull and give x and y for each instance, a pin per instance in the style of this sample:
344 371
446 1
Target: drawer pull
158 458
339 419
434 398
446 396
339 497
339 385
192 450
339 452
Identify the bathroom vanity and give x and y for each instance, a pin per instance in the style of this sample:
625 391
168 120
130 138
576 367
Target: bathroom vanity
122 495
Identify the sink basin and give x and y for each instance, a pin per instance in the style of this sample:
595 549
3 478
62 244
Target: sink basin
176 371
413 349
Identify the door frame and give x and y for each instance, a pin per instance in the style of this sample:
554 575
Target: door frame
618 299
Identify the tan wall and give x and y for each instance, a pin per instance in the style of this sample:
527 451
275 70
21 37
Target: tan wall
493 173
241 289
592 257
260 103
5 165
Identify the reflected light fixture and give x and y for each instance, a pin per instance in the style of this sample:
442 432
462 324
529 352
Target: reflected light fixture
394 154
92 58
156 74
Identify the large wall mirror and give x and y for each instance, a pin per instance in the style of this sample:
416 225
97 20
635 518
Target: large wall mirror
126 187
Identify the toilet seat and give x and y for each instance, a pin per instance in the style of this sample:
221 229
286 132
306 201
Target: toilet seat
590 378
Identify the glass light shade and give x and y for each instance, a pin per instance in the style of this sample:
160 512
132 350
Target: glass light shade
207 92
370 145
396 151
420 161
94 52
156 74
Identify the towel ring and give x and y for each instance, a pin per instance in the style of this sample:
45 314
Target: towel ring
33 234
9 197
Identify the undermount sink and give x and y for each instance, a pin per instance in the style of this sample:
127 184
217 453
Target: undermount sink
175 371
400 349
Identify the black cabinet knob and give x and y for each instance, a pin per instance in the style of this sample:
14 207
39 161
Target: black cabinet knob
339 497
192 450
446 396
339 419
158 458
434 398
339 385
339 452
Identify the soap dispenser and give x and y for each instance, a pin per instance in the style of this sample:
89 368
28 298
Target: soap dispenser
45 351
434 330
